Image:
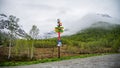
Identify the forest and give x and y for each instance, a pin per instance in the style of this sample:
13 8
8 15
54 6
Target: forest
17 45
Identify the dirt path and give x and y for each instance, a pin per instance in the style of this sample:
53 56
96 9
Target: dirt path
106 61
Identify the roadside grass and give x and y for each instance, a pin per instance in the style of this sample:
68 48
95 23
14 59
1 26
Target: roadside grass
18 63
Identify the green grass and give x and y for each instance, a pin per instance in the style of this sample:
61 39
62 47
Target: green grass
11 63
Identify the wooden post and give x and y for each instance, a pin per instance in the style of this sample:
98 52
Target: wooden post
59 30
58 51
58 44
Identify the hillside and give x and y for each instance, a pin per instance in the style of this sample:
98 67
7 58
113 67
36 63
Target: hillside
96 32
99 35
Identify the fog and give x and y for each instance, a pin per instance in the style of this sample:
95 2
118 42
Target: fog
74 14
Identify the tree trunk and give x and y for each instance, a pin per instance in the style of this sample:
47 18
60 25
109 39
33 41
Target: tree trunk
9 53
28 52
32 49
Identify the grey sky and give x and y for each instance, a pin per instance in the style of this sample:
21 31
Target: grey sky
44 13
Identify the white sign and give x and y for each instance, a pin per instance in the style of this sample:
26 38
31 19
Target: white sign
59 44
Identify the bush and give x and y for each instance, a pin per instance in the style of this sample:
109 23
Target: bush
116 45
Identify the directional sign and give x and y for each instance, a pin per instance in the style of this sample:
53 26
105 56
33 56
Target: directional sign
59 30
59 43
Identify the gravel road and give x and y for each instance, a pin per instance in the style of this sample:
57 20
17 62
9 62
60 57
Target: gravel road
106 61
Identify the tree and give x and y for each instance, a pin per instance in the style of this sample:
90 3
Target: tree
14 31
9 23
12 26
2 24
34 34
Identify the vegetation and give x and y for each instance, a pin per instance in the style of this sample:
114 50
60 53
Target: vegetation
16 45
96 39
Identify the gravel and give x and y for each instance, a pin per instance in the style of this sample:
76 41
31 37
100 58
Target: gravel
105 61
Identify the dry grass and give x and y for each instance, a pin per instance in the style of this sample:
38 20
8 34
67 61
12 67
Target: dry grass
42 53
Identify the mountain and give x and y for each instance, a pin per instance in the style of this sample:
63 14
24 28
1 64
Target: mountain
103 25
9 24
96 37
97 30
88 20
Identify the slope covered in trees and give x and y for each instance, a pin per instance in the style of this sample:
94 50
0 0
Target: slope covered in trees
99 35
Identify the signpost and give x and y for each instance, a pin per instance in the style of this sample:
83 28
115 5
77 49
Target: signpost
59 30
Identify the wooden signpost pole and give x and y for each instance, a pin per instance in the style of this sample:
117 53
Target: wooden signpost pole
58 44
59 30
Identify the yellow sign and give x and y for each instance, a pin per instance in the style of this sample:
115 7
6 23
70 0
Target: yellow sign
59 29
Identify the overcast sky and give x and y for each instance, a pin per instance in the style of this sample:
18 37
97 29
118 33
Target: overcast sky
44 13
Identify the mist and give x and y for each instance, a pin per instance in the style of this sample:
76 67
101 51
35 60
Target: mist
75 15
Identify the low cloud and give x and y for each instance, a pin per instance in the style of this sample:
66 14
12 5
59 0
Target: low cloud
44 13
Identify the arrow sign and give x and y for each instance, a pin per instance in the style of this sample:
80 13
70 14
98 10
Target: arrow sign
59 30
